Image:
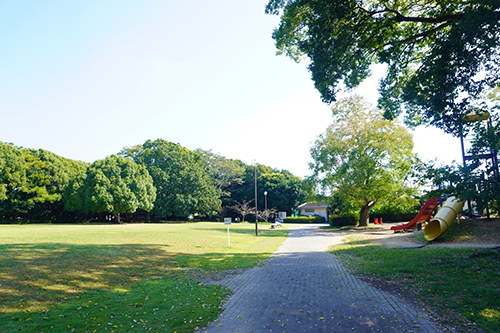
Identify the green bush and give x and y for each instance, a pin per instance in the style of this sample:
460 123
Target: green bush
343 221
305 219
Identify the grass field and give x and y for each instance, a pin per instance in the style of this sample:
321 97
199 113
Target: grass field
120 278
461 284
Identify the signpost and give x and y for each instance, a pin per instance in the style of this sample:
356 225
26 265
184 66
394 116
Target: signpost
227 221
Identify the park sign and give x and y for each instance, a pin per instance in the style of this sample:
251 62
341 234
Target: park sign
227 221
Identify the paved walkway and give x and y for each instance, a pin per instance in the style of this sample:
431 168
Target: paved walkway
302 288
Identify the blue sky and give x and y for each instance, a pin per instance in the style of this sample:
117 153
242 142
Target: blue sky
85 79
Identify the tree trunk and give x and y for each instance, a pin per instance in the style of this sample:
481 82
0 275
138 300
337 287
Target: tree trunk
117 218
364 216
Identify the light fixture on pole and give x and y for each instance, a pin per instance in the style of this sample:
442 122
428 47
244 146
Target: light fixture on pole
265 203
256 212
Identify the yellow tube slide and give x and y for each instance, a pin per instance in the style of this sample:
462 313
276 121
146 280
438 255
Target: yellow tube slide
443 219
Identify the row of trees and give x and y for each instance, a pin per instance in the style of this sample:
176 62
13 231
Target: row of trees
153 181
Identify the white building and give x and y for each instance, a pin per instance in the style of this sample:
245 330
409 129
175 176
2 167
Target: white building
314 209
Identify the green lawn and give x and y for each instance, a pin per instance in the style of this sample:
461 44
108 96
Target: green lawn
120 278
462 285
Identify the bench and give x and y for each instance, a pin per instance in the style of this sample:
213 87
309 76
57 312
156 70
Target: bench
275 225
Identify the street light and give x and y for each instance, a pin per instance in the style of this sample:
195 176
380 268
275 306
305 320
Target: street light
265 203
256 211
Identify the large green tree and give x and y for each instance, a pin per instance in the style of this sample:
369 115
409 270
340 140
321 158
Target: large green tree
285 192
34 180
12 181
226 175
47 176
440 55
362 158
114 185
184 186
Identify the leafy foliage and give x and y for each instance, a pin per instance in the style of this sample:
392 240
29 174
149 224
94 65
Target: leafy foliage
362 159
440 55
284 191
34 181
183 185
12 178
115 185
343 221
478 179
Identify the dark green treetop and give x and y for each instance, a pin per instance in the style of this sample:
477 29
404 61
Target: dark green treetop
440 55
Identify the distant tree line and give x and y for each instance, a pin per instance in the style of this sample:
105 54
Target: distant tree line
157 180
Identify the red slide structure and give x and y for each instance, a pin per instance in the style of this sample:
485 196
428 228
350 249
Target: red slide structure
422 216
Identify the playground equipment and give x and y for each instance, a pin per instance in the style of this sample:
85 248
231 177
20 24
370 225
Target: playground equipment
424 214
440 223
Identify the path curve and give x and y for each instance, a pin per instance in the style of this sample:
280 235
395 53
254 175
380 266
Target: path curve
303 288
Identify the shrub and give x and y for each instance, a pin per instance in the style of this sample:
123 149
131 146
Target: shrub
343 221
304 219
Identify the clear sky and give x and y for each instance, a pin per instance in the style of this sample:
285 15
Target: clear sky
85 79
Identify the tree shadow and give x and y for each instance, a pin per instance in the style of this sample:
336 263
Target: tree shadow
38 275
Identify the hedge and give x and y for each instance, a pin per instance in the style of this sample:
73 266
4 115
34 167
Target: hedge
343 221
304 219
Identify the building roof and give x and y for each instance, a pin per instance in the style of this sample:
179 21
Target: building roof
313 205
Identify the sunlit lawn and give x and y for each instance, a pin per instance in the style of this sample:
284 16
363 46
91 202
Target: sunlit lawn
121 278
451 280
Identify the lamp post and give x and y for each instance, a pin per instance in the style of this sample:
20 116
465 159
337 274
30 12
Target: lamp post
256 212
265 203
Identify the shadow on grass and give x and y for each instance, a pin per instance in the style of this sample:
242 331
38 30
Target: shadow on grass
35 275
160 304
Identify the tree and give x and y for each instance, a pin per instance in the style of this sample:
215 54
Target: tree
362 158
266 214
183 185
440 55
226 175
114 185
243 208
12 180
34 180
285 192
47 176
12 169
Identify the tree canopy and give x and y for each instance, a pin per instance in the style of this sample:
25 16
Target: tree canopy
12 169
440 55
285 192
362 158
114 185
183 184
